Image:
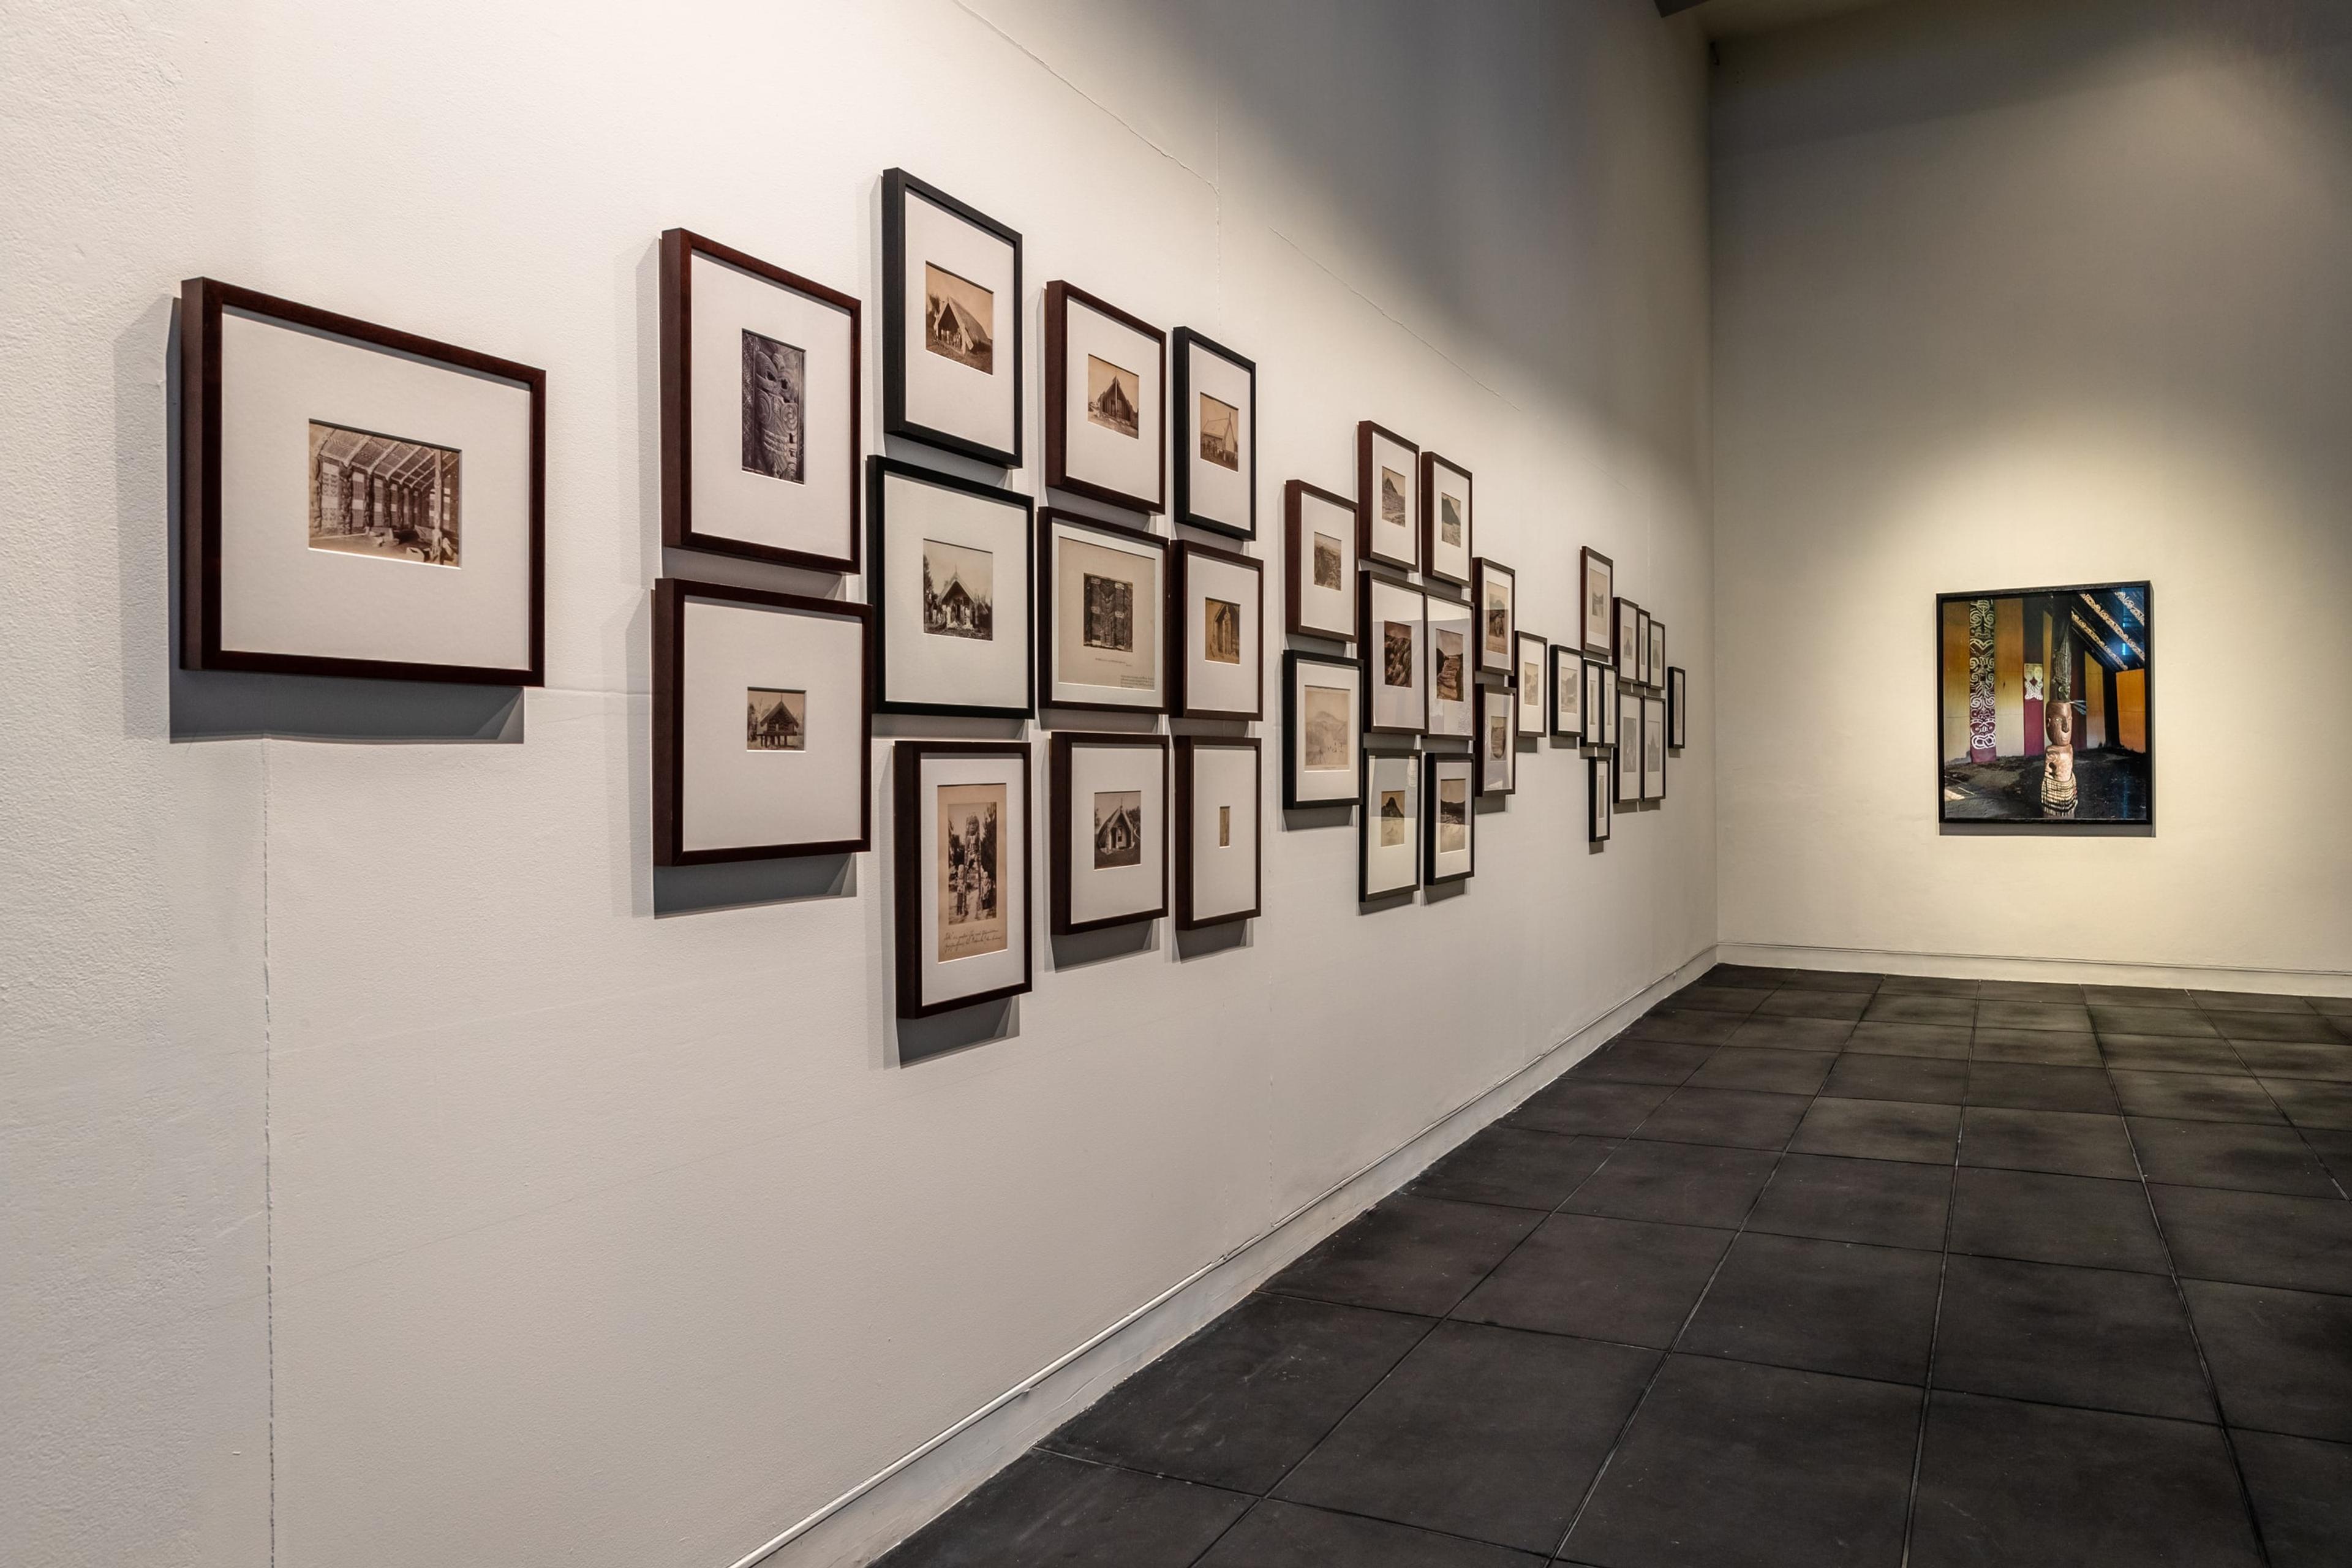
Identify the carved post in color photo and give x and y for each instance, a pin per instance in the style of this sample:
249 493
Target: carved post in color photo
2058 758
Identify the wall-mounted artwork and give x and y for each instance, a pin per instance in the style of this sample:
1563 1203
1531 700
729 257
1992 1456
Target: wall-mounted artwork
1109 850
1569 680
1529 685
1677 708
1495 590
1596 702
962 872
1105 401
1653 748
1446 669
1392 625
1217 645
1597 575
1217 830
1388 826
1612 713
1654 666
1625 734
1642 649
1448 547
1449 821
1388 497
1598 819
1216 436
950 323
1102 600
1498 745
949 576
1318 557
1321 714
1629 641
2046 708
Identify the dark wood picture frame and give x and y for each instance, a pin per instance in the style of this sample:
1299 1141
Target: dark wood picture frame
1291 661
1596 698
1601 646
1627 631
1181 631
1678 708
1483 572
1542 689
1642 648
898 185
1600 819
1368 494
1371 650
1656 654
1653 713
908 871
1367 822
1188 748
1184 419
878 469
1559 654
1430 463
1509 700
1432 762
1060 873
1296 567
1611 716
1049 638
1059 294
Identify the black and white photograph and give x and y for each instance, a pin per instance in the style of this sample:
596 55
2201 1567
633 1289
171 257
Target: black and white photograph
1451 661
1678 708
1611 710
1641 649
1393 505
378 495
1596 702
1221 631
1627 739
1494 591
1388 497
1629 641
1450 821
1109 613
1569 680
1319 563
959 319
1449 630
1395 622
1102 594
1220 433
775 407
775 721
1598 817
1320 712
1388 824
1216 404
949 577
959 591
1530 685
960 872
950 323
1111 829
1329 554
1327 728
1106 402
1498 742
1113 394
1219 653
971 871
1653 748
1655 665
1598 575
1448 544
1119 828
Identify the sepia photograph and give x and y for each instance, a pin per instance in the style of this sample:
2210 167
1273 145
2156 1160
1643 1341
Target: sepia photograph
1221 631
775 407
1324 730
1452 815
1114 397
971 914
1119 828
1396 653
1220 433
378 495
1326 562
1498 737
1392 818
959 598
1225 827
1449 521
1393 498
1110 614
958 317
774 721
1498 622
1449 664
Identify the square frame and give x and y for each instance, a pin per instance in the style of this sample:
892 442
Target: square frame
879 472
907 760
1296 663
1061 872
1184 410
1060 410
1188 754
1184 699
1297 567
1050 523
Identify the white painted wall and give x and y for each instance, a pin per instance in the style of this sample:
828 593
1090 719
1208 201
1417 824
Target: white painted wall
2015 292
385 1181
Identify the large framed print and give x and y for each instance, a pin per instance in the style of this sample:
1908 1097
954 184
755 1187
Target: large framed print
1319 563
1216 436
1102 601
1655 665
1108 854
1392 626
761 724
1530 686
1629 641
356 501
1388 826
1598 575
1388 502
1677 708
1495 590
1598 819
962 872
759 408
1446 636
1569 680
1449 823
1653 748
2046 706
1448 547
1498 740
1105 401
948 578
1320 728
1218 825
1596 702
952 380
1628 741
1218 643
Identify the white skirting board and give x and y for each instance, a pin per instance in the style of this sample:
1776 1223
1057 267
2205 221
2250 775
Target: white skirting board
882 1510
2068 971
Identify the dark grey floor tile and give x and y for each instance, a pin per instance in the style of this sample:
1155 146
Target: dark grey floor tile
2194 1096
1950 1041
1929 985
1879 1130
1821 1306
1844 1005
2046 1047
2249 1002
1410 1255
1832 980
2309 1103
1761 1467
1482 1432
1290 1535
1775 1071
2070 1016
2334 1148
2303 1496
2091 1337
2187 1021
1792 1033
2040 1218
1923 1080
1737 1118
2063 1142
2169 1053
1746 974
2029 991
1621 1280
2331 1007
2029 1086
2282 1360
2231 1154
1680 1184
1241 1401
2004 1482
2307 1026
1578 1105
1626 1060
1686 1026
1897 1008
2136 996
1043 1507
2258 1239
1514 1166
1719 998
2281 1058
1888 1203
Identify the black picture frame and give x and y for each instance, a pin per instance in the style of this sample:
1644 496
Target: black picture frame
898 185
1430 463
1536 692
1293 662
1296 567
1371 649
1654 721
1596 703
1628 632
1678 708
878 471
1489 700
1049 634
1060 873
1642 648
1183 632
1485 573
1599 815
1368 496
1433 766
1367 825
1059 297
1188 750
1593 626
907 871
1656 656
1184 420
1562 656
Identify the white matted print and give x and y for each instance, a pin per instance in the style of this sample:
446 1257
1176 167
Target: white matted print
1216 436
1217 792
1106 592
1653 748
962 873
1321 713
1598 819
1528 682
1498 742
951 561
1221 633
1448 545
1450 822
1388 497
1599 586
1452 691
1627 738
1596 703
1110 825
1105 401
1495 590
1568 684
1394 628
953 371
1320 562
1388 826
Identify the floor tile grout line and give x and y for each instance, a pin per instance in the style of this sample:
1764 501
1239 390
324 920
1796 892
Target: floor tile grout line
1935 1334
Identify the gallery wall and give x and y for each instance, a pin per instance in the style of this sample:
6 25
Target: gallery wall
2015 293
400 1171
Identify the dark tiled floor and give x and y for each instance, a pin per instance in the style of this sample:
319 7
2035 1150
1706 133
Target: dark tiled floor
1802 1269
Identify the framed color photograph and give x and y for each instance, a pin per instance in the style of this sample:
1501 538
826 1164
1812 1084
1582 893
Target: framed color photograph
1494 591
1446 545
1217 647
1653 748
356 501
1568 684
1105 401
1102 600
1216 436
1388 500
1677 708
1388 826
1445 665
759 408
1529 685
1629 641
961 866
1498 740
949 578
1108 855
1596 820
1321 713
1655 664
1599 575
1628 741
1596 702
1319 563
1449 822
1392 626
1217 830
952 380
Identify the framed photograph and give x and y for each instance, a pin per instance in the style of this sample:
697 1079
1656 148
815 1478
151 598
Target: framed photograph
1568 683
1445 667
2046 706
1611 710
1677 708
759 408
1498 740
1629 641
1597 818
1217 830
1446 546
1218 644
1655 664
1628 741
1388 503
1392 625
1642 648
1495 590
1599 575
1653 748
1105 401
962 872
1109 856
954 382
1388 826
1319 563
1530 686
949 576
1321 715
1448 821
1596 702
1216 436
761 723
356 501
1102 599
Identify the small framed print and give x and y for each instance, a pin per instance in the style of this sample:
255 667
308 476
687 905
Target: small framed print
1529 685
1498 740
1109 850
356 501
1217 828
1446 670
1105 401
1446 546
1597 821
1596 703
1216 436
1102 601
759 408
949 576
1642 649
1628 742
1392 625
1677 708
1568 683
1320 733
1597 575
1495 590
1611 710
1653 748
1629 641
953 379
1319 563
1388 826
1656 663
1218 644
962 872
1448 821
1388 502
